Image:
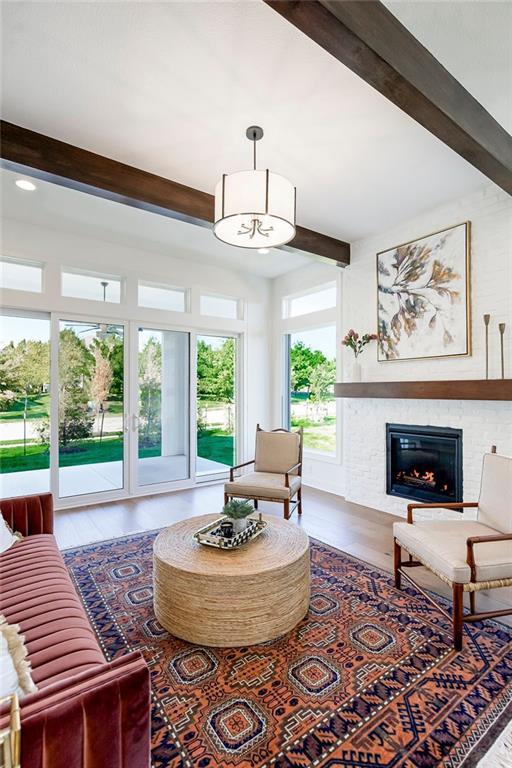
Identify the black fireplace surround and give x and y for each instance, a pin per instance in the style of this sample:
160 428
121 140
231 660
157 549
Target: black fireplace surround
424 463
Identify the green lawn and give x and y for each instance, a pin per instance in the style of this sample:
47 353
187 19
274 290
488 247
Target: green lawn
216 445
318 436
38 407
212 444
114 407
12 458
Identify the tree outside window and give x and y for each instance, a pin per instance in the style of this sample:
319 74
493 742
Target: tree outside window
312 362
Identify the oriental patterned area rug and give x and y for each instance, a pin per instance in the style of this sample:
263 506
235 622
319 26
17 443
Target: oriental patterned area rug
367 680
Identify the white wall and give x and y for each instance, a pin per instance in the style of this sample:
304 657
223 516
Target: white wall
319 470
358 468
57 248
483 423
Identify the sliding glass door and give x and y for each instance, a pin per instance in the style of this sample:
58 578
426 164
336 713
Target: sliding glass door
118 417
162 424
216 404
91 435
24 403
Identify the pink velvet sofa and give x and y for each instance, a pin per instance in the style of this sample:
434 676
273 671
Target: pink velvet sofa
87 713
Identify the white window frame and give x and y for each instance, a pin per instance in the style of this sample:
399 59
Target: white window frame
287 300
240 305
239 400
286 415
319 319
130 315
165 287
96 274
6 259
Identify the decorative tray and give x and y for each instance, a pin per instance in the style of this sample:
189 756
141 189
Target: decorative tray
211 536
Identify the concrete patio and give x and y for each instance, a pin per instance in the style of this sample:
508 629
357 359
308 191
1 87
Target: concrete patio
105 476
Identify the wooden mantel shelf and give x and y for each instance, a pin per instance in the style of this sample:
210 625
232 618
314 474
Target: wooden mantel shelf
462 389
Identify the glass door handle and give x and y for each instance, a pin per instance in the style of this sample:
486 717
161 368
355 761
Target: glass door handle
135 422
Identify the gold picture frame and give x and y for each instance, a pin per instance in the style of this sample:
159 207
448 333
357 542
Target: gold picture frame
429 308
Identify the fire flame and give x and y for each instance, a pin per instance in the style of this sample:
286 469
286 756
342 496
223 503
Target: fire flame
416 476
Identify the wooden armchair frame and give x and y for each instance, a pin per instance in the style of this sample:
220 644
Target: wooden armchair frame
289 504
458 617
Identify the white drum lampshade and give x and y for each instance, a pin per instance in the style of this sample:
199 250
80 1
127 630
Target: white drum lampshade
254 209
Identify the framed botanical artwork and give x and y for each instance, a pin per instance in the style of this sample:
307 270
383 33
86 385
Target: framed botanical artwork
423 297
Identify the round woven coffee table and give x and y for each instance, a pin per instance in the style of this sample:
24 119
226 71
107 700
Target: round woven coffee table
225 598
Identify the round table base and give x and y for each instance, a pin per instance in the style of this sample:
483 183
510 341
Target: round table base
226 599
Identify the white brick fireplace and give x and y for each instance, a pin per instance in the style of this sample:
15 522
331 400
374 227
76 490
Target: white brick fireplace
484 423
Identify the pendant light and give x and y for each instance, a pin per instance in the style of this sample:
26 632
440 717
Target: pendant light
254 209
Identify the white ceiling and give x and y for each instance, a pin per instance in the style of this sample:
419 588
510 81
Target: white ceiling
170 87
78 213
473 40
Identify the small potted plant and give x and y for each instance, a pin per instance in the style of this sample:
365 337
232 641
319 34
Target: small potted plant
237 510
357 344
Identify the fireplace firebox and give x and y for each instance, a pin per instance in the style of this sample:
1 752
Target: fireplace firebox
424 463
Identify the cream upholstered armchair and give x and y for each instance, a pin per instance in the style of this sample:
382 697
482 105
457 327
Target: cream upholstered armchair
277 471
468 555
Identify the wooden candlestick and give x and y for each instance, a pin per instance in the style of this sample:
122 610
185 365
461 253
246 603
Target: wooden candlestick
501 326
486 321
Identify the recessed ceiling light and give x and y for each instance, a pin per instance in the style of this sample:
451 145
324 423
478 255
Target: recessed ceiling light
263 251
28 186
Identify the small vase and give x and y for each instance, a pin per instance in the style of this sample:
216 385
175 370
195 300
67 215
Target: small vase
239 525
356 372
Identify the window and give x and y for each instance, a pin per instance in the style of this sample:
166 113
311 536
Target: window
91 407
162 297
95 287
309 381
24 403
216 404
315 301
163 426
219 306
21 275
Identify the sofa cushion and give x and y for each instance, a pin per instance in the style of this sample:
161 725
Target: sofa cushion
37 593
441 545
264 485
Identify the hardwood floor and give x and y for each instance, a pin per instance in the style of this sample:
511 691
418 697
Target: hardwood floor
360 531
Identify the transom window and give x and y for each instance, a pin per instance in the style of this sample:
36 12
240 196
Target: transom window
313 301
91 285
165 297
20 275
220 306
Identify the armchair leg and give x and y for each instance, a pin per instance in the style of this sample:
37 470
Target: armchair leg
299 505
286 509
472 602
226 499
397 561
458 609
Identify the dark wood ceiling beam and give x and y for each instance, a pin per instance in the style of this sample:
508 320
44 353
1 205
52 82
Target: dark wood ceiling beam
53 160
368 39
